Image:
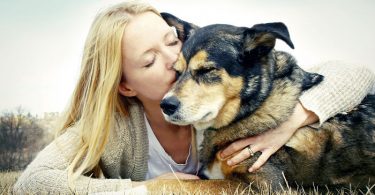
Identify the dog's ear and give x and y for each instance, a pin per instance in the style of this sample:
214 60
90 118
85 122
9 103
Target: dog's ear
184 29
260 39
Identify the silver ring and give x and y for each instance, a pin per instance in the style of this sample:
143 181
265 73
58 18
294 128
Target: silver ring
251 152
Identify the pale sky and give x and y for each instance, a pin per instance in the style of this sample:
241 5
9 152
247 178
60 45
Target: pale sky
41 41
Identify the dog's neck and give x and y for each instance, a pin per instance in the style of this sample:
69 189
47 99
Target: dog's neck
276 107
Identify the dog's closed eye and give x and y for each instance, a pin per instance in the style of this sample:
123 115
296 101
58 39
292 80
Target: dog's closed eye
206 70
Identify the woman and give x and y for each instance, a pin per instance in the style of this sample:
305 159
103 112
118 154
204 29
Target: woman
114 127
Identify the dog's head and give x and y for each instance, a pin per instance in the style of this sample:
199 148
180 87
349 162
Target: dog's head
220 67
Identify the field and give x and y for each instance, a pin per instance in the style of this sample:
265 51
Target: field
7 180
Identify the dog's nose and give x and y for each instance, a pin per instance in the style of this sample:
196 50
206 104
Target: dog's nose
170 105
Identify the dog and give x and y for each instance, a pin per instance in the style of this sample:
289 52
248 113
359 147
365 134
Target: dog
232 83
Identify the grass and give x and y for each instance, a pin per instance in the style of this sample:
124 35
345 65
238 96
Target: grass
7 180
202 187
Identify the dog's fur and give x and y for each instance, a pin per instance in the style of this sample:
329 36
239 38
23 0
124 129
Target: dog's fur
233 84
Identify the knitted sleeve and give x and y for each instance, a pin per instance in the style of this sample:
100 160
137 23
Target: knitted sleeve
47 174
344 86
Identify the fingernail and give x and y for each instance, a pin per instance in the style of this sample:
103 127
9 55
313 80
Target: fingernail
251 169
222 155
229 162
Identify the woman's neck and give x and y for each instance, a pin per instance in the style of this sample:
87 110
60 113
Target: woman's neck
174 139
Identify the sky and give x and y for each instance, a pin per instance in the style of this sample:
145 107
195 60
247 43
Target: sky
41 41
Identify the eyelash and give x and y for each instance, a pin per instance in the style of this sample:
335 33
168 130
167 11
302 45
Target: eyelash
173 43
150 64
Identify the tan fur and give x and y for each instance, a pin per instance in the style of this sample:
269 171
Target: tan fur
203 94
192 92
174 186
260 95
180 65
231 106
308 142
260 116
281 60
225 168
198 60
216 169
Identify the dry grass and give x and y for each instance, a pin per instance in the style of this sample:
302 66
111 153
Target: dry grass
203 188
7 180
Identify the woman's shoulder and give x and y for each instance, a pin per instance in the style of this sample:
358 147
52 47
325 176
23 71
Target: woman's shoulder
133 116
130 125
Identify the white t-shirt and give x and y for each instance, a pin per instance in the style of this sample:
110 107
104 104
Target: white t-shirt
159 162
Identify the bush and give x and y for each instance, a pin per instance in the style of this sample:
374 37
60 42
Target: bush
21 137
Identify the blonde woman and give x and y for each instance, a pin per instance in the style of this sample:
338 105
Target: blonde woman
114 128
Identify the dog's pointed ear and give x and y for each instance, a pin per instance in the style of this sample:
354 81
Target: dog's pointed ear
277 29
184 29
260 39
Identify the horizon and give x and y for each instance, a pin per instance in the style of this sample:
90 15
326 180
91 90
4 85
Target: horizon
42 41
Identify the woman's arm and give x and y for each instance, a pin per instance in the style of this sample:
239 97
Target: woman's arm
344 87
48 172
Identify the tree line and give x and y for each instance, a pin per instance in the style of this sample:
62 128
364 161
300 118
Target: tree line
21 138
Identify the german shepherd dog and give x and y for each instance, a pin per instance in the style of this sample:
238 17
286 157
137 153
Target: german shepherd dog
233 84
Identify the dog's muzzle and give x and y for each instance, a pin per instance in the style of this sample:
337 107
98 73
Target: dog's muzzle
170 105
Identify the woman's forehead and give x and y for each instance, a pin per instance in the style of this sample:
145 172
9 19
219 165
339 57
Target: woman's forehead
142 33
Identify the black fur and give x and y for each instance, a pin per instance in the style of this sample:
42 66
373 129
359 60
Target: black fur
344 148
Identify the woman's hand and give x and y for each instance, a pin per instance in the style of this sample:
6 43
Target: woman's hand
270 141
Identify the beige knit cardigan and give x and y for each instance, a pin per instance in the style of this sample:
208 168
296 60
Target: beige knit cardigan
126 153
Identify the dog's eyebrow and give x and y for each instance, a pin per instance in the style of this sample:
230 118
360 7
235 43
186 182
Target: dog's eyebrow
205 65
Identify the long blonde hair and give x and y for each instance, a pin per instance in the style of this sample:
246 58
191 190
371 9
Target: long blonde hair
96 98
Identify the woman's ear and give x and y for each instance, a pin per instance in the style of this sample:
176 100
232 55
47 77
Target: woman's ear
126 91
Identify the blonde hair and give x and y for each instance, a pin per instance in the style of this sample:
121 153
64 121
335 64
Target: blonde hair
96 99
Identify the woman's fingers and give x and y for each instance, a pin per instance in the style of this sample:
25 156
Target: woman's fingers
269 141
261 160
236 146
243 155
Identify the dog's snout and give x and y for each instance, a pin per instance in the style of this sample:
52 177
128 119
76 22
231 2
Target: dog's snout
169 105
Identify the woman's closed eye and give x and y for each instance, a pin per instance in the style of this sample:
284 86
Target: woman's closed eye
174 42
150 63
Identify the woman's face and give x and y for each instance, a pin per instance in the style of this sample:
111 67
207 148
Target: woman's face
149 50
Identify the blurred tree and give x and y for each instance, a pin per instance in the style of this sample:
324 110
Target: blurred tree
21 137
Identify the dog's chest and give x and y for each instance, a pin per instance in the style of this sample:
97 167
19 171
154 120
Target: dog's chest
214 171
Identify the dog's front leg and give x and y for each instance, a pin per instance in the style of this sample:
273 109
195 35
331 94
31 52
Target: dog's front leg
208 150
269 176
